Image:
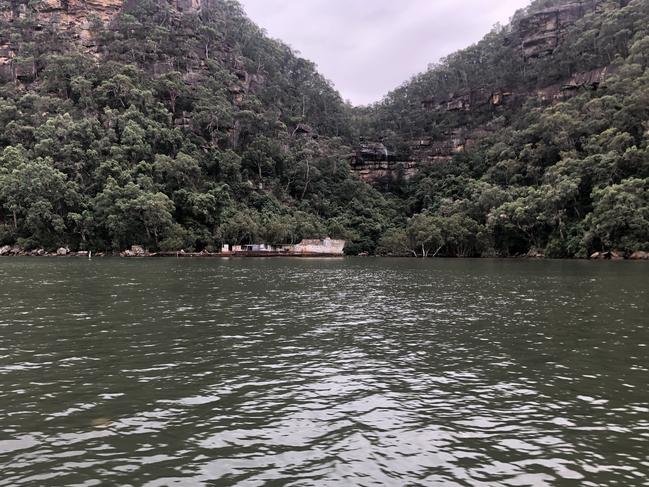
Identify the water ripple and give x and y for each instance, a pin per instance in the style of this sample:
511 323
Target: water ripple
323 372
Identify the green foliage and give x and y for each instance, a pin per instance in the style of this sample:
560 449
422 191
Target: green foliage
182 135
563 177
620 217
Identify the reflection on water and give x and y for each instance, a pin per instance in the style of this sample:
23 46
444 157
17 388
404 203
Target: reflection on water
323 372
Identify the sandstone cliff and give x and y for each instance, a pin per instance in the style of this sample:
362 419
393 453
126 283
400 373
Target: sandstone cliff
532 39
73 20
542 32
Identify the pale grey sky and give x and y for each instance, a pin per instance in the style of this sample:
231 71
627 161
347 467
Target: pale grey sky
368 47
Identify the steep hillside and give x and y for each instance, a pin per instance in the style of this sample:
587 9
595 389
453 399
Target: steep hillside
532 141
177 124
169 124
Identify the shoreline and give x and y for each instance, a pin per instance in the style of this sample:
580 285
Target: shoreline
139 252
275 255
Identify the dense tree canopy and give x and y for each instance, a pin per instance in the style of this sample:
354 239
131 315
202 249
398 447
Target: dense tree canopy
189 131
562 177
183 136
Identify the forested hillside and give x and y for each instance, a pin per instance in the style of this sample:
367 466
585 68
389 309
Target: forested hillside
180 125
548 144
171 129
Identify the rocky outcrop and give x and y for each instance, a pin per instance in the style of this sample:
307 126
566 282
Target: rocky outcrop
73 20
371 152
304 130
17 251
384 172
72 16
184 121
610 255
491 100
543 31
374 163
78 15
639 255
589 80
430 149
248 83
471 100
185 6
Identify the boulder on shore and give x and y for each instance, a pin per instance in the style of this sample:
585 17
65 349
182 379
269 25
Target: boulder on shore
610 255
62 251
5 250
639 255
535 254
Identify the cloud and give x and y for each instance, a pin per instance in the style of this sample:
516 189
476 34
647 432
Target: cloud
368 47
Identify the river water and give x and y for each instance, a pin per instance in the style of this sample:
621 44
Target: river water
323 372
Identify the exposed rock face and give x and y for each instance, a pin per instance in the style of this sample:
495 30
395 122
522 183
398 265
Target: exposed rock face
485 100
542 32
75 14
538 34
184 121
72 16
464 102
372 152
248 83
304 130
375 164
187 5
73 20
434 150
589 80
384 172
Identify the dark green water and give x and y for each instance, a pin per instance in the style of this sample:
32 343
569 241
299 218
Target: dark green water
323 372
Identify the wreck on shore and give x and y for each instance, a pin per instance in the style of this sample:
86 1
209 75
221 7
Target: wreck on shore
325 247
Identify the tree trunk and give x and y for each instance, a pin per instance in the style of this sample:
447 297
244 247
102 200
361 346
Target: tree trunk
438 249
306 179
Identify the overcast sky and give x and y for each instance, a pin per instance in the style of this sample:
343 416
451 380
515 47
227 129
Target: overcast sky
368 47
